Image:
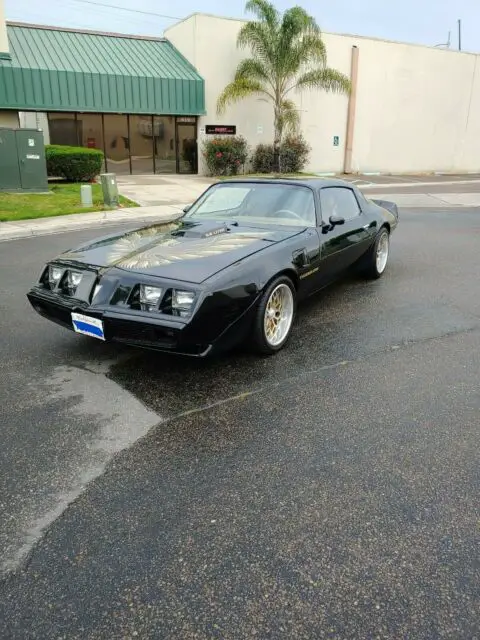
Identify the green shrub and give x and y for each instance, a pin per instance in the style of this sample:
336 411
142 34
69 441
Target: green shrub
294 153
75 164
262 161
225 156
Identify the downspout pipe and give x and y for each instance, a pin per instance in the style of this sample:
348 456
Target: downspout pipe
352 104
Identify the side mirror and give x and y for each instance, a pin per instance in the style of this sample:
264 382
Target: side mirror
334 220
187 208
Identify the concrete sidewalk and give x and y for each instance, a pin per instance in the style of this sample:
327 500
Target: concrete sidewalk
162 190
429 200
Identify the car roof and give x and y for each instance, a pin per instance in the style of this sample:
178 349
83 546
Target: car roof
313 182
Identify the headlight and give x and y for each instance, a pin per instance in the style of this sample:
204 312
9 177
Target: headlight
182 301
73 280
54 275
150 297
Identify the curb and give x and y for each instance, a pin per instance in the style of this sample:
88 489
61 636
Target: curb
64 224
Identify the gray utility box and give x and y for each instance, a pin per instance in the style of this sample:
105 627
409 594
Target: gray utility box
110 189
22 160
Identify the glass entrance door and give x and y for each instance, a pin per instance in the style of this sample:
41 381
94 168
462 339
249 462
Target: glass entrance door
187 153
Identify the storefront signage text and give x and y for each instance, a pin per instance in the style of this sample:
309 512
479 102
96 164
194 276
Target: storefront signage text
220 129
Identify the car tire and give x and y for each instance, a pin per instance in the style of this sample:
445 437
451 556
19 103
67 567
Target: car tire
375 262
274 316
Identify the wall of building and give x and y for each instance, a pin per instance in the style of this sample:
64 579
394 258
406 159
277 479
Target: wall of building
9 119
418 108
3 29
209 44
35 120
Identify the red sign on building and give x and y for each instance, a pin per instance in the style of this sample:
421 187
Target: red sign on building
220 129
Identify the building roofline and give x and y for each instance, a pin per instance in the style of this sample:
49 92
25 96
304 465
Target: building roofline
27 25
330 33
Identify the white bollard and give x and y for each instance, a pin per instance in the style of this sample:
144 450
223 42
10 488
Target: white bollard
86 195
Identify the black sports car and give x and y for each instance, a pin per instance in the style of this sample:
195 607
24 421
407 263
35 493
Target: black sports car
231 268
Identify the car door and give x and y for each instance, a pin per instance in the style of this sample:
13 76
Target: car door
306 255
342 244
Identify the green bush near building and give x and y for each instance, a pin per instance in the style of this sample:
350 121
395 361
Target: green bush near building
294 154
225 156
75 164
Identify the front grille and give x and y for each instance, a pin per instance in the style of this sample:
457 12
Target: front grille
144 335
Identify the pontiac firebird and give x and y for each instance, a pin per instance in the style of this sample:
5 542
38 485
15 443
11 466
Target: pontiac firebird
230 269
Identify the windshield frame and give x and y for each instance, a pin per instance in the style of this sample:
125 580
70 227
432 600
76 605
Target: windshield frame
190 211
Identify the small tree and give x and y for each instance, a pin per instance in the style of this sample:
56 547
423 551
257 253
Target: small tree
288 54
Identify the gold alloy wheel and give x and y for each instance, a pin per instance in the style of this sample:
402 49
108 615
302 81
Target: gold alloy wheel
278 315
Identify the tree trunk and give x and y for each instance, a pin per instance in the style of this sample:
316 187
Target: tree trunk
277 139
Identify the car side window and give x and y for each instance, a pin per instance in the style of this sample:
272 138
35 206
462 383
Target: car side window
338 201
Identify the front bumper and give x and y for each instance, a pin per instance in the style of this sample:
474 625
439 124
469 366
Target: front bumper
157 333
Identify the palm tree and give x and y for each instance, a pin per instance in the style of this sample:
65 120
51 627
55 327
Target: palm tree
288 54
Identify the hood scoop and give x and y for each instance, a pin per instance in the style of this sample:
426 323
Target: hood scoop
202 230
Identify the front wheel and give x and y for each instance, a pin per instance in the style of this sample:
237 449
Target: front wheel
274 317
376 258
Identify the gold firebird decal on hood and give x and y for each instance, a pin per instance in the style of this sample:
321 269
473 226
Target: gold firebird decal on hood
167 250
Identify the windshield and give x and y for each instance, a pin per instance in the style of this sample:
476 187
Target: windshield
261 203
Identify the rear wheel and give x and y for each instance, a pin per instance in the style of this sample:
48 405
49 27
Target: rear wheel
376 259
274 317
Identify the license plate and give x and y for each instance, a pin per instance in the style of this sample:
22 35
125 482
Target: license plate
88 326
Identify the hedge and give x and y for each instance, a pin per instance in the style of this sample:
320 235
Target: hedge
75 164
225 155
294 153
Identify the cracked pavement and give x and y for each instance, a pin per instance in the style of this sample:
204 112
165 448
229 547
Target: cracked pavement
328 492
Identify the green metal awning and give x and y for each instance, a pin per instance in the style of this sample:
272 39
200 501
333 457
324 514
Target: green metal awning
53 69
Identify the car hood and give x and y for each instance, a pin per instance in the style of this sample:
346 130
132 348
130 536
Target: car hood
180 250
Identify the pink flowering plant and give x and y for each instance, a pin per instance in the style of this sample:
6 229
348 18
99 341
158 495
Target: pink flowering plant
225 155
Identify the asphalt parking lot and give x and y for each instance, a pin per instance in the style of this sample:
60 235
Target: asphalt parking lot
329 492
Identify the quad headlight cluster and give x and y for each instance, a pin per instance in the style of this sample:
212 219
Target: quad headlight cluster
178 302
144 297
68 282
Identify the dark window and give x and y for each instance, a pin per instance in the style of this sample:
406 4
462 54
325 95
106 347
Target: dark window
90 131
63 129
141 144
187 147
338 201
117 143
164 144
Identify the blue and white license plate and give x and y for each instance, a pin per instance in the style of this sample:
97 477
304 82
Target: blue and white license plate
88 326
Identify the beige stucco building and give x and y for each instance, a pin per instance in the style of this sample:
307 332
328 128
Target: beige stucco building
417 107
